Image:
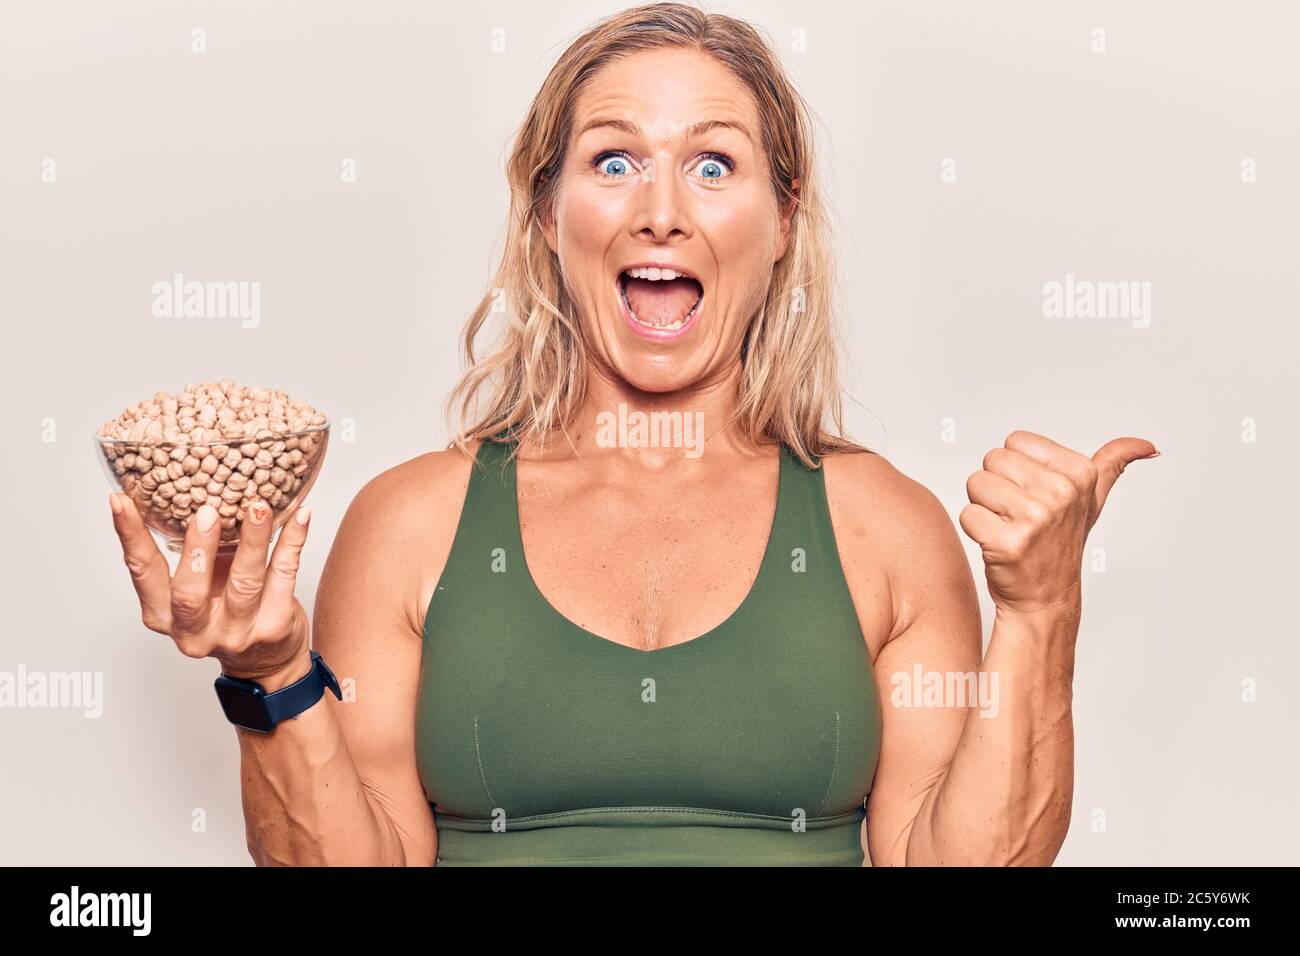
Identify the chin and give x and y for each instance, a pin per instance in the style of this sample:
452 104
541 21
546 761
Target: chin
655 372
646 376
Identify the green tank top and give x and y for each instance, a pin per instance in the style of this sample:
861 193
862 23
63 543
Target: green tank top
541 743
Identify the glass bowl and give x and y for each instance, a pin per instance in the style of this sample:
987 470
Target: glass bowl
170 480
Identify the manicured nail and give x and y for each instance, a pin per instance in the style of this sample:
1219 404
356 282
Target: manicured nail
206 517
258 512
303 514
115 503
1154 454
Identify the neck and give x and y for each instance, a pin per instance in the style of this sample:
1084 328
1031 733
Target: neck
655 429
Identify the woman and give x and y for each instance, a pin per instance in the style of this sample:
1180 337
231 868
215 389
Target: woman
606 644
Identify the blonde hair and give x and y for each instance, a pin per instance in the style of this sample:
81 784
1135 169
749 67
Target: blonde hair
535 375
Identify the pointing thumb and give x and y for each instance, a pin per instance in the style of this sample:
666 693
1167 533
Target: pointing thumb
1111 459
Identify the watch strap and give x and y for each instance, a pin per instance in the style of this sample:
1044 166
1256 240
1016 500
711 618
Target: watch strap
290 701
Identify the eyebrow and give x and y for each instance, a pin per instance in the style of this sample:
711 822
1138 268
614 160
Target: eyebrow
696 129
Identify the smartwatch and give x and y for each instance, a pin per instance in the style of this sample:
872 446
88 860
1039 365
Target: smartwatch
248 705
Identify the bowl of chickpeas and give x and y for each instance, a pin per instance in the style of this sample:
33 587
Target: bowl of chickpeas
218 443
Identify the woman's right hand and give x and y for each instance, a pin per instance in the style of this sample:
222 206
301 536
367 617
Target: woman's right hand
234 608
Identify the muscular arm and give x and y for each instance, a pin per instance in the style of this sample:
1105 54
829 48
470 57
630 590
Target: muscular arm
1005 797
954 787
339 786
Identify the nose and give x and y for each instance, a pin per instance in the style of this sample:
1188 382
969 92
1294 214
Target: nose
661 205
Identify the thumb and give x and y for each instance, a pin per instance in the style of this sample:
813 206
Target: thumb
1111 459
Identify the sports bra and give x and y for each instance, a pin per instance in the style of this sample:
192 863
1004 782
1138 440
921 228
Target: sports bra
541 743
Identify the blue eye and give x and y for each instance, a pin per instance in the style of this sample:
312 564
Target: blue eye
618 165
715 166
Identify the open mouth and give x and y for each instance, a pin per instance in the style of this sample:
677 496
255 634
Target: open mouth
659 301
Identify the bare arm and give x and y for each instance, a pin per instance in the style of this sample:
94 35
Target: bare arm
304 800
984 780
1005 799
340 785
954 787
1003 796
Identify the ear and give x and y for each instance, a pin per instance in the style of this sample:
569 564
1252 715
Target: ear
787 215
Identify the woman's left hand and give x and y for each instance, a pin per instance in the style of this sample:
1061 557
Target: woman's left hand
1032 506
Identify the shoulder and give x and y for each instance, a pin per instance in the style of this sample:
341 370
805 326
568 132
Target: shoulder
889 522
406 493
399 527
876 497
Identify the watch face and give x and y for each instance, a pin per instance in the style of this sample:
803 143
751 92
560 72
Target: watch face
243 706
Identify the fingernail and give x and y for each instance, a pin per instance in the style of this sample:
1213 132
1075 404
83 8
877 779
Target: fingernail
258 511
303 514
1154 454
115 503
206 517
